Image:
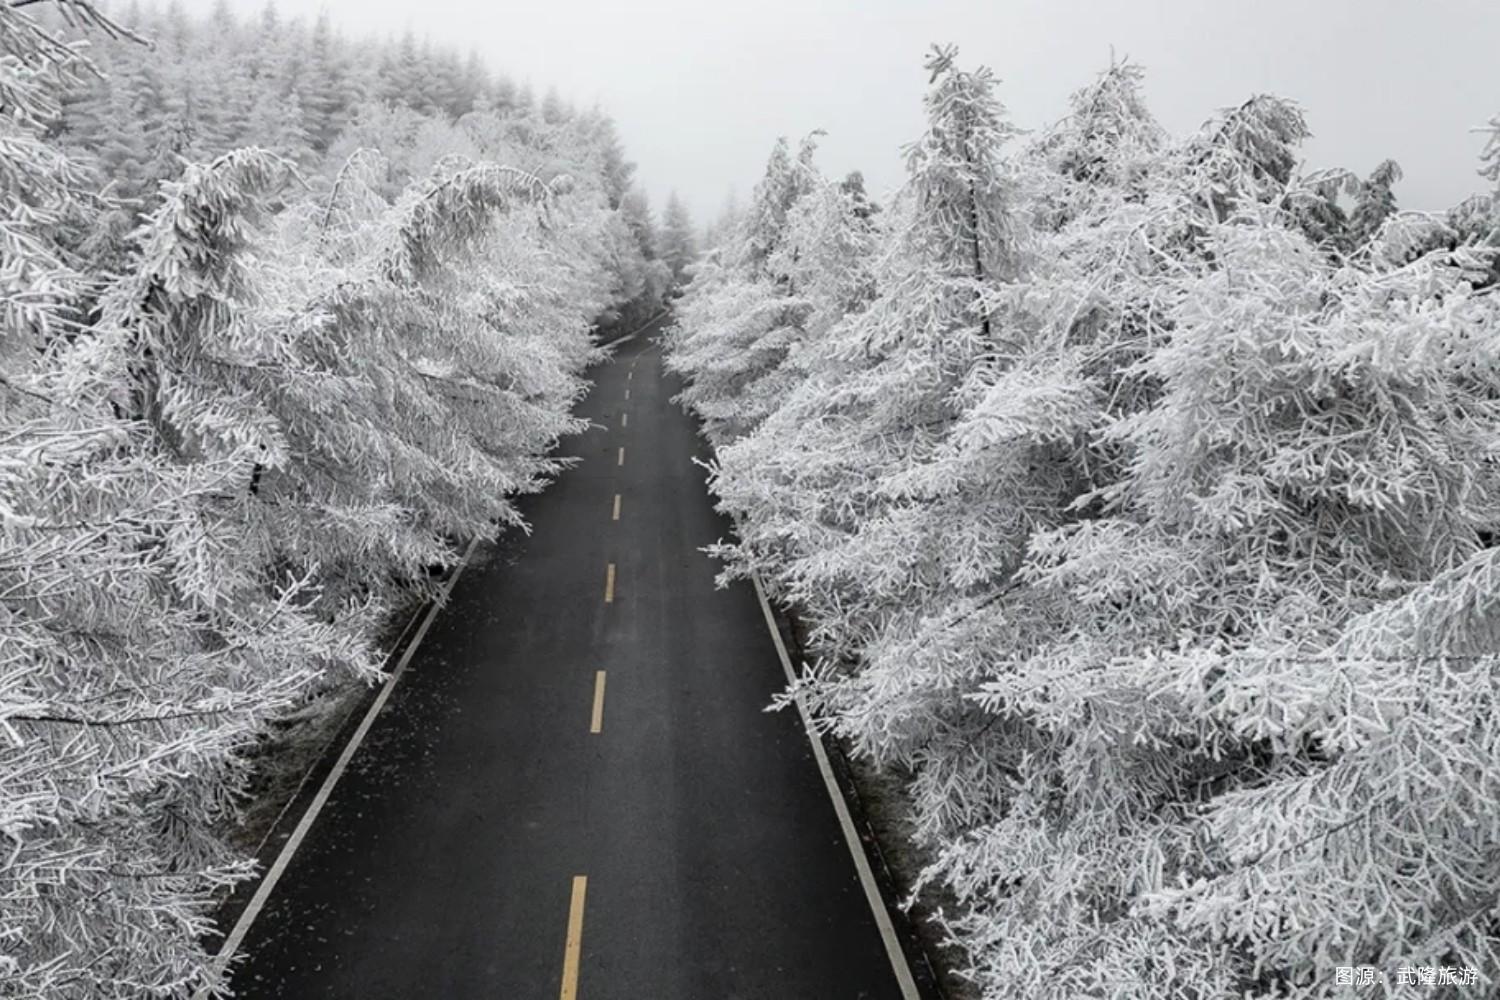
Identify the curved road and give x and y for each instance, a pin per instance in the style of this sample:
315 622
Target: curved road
487 842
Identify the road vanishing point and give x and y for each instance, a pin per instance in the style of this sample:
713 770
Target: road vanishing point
573 791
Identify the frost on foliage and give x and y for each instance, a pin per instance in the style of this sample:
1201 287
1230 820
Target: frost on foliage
786 180
147 643
855 438
44 189
1154 551
757 308
961 215
220 469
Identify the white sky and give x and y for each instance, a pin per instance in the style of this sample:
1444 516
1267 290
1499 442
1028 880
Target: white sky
701 88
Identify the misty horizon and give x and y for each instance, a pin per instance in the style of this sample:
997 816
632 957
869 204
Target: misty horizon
1363 72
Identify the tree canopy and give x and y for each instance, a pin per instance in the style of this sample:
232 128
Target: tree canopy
288 321
1139 494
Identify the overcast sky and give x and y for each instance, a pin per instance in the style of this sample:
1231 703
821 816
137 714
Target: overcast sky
701 89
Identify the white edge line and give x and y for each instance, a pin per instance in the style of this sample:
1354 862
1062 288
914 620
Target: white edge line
327 744
846 822
273 875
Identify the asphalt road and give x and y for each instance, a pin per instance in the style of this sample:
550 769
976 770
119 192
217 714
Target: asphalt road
689 844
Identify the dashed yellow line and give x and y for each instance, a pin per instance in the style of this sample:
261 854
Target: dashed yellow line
573 948
616 516
596 719
609 584
621 459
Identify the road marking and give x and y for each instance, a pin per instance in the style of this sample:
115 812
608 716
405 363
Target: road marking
617 508
846 822
627 393
624 419
573 949
609 584
621 459
278 867
596 720
628 376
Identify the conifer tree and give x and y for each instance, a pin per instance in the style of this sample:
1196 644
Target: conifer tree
745 315
554 112
1142 520
323 88
636 210
1376 202
208 498
878 399
678 243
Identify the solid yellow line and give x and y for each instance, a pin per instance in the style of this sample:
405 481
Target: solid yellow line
624 419
596 721
617 508
573 949
609 584
621 459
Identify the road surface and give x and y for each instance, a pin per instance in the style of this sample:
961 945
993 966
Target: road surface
515 826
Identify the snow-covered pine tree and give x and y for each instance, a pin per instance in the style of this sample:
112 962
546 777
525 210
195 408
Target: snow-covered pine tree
186 635
679 245
785 181
618 171
187 487
721 230
644 278
1375 202
1191 682
410 415
881 392
137 662
797 266
1283 479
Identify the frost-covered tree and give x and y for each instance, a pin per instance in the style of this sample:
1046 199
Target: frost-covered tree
679 244
645 278
786 179
138 657
881 391
157 637
723 227
1151 550
1376 202
748 318
225 457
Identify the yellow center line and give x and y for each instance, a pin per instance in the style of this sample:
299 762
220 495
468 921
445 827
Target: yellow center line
624 419
573 949
621 459
609 584
596 720
617 508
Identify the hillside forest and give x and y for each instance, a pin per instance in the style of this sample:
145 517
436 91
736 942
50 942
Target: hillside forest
1139 494
287 321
